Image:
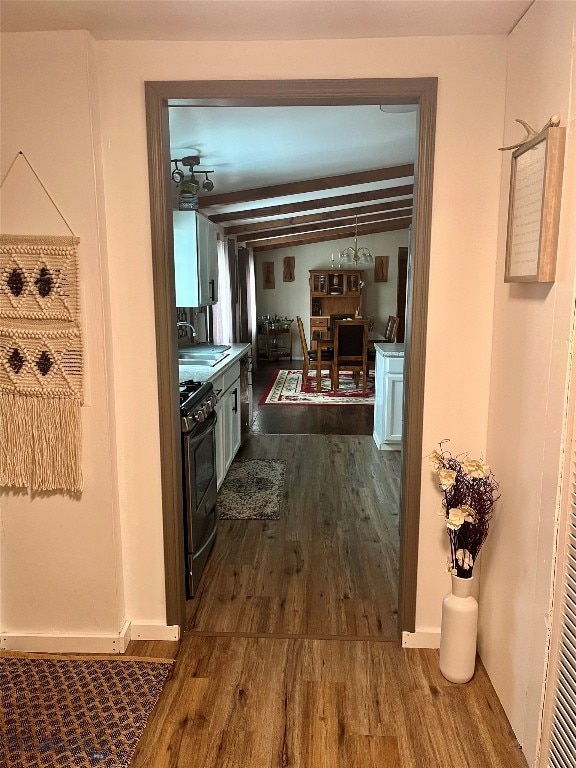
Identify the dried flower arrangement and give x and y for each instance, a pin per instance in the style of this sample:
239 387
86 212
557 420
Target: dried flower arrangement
470 491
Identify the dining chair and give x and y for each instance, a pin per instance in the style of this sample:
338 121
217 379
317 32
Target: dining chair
390 335
350 351
314 359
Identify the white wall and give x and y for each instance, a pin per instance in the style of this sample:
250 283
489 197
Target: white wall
471 73
61 558
292 299
528 390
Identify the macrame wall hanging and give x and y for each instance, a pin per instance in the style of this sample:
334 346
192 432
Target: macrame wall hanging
40 360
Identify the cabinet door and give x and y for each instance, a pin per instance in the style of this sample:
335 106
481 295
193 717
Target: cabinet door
207 261
319 284
186 258
231 424
393 407
213 263
352 284
220 445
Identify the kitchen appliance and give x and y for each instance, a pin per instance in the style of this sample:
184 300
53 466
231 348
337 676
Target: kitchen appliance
198 421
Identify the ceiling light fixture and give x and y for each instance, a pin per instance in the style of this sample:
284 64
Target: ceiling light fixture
354 254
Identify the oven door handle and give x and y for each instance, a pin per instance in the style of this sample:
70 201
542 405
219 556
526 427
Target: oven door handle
209 425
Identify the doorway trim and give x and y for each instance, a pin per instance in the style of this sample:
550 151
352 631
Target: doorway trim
260 93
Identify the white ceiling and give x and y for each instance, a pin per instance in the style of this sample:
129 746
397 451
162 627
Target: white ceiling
258 146
264 19
253 147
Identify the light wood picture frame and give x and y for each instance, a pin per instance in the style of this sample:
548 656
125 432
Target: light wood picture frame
381 269
534 208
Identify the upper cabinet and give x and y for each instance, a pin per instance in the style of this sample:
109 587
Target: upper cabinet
195 259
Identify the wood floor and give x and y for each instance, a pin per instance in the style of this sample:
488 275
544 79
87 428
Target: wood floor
291 661
271 703
329 566
304 419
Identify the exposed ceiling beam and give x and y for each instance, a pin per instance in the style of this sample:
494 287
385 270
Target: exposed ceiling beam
257 226
311 205
323 225
308 185
291 241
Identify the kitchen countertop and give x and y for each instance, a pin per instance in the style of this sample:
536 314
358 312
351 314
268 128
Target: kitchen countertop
390 350
209 372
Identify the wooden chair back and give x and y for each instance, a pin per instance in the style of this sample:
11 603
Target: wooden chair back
391 331
303 340
351 348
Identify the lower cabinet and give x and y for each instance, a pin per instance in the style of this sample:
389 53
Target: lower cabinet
228 426
388 404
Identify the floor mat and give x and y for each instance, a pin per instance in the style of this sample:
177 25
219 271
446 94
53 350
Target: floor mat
73 712
252 490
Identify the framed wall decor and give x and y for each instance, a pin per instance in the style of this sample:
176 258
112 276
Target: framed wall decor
381 269
534 208
268 274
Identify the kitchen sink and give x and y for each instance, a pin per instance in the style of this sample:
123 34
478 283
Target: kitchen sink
204 349
209 360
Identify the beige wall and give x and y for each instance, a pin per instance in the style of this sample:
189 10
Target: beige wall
471 75
532 326
292 299
61 559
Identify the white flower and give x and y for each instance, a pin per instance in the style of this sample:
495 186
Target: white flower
447 478
465 559
436 461
449 568
476 468
459 515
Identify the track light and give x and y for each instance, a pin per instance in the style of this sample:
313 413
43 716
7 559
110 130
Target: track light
207 184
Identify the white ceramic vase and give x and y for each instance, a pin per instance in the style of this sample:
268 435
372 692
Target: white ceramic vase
459 632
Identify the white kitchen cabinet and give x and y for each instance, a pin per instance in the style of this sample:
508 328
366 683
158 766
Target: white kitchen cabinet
228 426
388 403
195 259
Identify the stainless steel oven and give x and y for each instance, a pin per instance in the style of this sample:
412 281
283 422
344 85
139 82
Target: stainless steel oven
198 421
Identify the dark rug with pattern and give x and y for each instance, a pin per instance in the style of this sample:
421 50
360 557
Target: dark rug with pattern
252 490
72 712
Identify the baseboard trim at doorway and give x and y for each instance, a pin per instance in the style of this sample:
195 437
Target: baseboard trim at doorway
421 639
85 643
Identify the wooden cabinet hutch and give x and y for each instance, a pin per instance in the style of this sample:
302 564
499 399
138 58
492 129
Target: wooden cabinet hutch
333 293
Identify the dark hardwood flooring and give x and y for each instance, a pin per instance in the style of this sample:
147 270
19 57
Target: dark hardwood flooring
329 566
304 419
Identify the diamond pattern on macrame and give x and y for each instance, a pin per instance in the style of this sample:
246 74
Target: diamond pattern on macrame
38 283
41 364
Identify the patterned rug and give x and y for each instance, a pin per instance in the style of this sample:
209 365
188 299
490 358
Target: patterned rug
75 712
252 490
286 389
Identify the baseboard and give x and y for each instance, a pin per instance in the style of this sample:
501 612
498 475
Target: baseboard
67 643
421 639
154 632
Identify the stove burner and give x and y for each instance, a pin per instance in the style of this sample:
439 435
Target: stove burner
188 388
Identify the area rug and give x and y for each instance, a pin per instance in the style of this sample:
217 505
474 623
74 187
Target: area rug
287 389
73 712
252 490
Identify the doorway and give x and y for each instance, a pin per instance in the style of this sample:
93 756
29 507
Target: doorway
159 96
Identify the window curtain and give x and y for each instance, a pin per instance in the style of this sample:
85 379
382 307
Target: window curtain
222 311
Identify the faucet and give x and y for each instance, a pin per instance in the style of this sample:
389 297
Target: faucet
188 325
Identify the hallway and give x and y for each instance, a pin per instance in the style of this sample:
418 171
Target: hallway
291 659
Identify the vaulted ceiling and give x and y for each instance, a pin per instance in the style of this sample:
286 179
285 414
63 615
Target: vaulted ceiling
289 176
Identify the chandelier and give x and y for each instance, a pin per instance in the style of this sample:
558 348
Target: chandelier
354 254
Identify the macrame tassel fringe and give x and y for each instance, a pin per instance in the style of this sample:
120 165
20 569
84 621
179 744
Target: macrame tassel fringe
40 442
